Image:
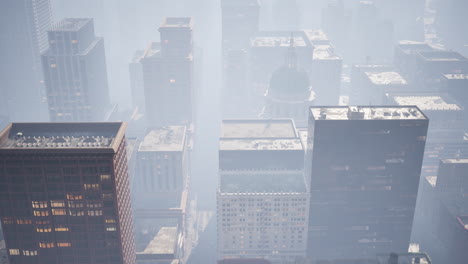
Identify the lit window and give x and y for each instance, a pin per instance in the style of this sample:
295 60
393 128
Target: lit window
23 222
74 196
57 203
46 245
41 213
30 252
172 80
8 220
61 229
64 244
91 187
59 212
76 212
74 41
74 204
94 205
39 204
111 228
94 212
14 251
105 177
53 65
42 222
110 221
44 230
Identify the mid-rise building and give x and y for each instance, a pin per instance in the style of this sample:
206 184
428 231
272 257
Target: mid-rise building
23 37
65 193
262 196
456 85
75 72
168 74
363 165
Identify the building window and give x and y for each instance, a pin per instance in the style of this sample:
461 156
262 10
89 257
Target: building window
8 221
94 212
57 204
39 204
91 187
14 251
46 245
74 204
63 244
74 196
110 221
105 177
59 212
23 222
30 252
61 229
76 212
111 228
41 213
94 205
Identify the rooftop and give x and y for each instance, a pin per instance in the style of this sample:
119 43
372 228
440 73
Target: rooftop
171 138
427 102
263 183
153 50
409 45
456 76
367 113
61 135
260 144
274 39
137 56
317 37
441 55
186 22
258 129
71 24
164 242
226 3
325 52
385 78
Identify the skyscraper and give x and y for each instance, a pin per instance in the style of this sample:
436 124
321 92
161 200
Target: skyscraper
65 195
168 74
23 37
364 165
75 72
262 197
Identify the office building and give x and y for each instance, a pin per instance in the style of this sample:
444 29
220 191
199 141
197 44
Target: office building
168 74
136 81
65 195
456 85
262 196
23 38
364 165
75 72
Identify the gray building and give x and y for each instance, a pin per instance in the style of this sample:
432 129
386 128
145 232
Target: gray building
136 81
75 72
23 37
262 195
363 165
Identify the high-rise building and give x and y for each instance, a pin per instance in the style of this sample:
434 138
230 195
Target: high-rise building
364 165
168 74
65 195
75 72
262 196
136 81
240 20
23 37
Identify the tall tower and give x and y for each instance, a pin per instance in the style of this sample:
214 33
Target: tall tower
75 72
168 74
23 37
65 195
365 164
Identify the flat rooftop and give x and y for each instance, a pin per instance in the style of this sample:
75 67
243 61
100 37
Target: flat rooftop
185 22
385 78
153 50
427 102
261 144
262 183
171 138
164 243
409 45
317 37
442 56
60 135
71 24
456 76
274 39
240 3
325 52
367 113
258 129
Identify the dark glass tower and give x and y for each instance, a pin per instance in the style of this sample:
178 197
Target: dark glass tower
75 72
365 164
64 193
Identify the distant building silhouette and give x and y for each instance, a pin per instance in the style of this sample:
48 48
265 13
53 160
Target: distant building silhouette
24 37
75 72
364 165
65 194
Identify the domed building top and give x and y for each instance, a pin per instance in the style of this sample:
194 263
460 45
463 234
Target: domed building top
291 81
288 80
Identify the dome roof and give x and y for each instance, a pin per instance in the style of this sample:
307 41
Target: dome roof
289 80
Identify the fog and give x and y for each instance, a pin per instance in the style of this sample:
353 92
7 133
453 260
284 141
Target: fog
256 131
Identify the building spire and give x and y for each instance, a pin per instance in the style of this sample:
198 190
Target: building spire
291 57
